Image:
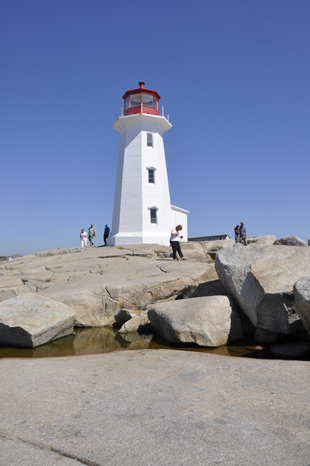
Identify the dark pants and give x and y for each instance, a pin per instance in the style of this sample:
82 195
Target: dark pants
243 240
105 239
176 248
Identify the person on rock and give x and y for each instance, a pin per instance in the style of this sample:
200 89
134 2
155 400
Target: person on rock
243 234
175 242
106 234
237 234
83 238
91 234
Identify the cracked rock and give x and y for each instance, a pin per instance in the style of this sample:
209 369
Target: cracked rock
261 281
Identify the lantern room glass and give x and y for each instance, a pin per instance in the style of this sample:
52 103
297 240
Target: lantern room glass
147 100
135 100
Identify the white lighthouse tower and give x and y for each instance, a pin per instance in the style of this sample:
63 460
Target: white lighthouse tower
142 209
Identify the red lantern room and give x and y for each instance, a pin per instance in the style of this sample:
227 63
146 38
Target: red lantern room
141 100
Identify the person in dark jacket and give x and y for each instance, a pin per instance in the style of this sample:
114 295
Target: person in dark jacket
237 234
106 234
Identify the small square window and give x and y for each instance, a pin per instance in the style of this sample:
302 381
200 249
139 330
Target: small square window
153 213
151 175
149 140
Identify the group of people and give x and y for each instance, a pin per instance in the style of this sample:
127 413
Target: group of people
241 234
240 237
91 234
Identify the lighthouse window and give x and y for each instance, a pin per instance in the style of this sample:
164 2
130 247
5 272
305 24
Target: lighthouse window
151 175
127 103
147 100
153 213
149 140
156 104
135 100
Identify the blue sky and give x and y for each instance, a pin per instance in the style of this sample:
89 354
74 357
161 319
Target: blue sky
233 76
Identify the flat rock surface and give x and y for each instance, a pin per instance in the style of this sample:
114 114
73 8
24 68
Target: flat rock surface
99 281
154 407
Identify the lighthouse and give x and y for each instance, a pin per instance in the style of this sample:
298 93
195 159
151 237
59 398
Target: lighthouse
142 210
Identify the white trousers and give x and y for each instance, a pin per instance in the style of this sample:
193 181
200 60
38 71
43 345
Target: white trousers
84 242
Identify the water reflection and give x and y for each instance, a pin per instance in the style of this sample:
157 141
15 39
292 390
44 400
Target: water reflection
106 340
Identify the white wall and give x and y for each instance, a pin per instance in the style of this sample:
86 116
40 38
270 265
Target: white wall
134 195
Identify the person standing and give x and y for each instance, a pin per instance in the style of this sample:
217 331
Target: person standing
83 238
91 233
106 234
243 234
237 234
175 242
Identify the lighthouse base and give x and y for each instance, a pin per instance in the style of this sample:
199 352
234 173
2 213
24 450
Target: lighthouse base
123 239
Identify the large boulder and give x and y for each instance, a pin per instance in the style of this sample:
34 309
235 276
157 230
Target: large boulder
266 240
11 286
209 286
265 336
208 321
294 350
302 300
30 320
213 247
135 321
290 241
195 252
261 280
217 244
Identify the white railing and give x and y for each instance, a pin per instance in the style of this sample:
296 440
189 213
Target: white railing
121 113
163 113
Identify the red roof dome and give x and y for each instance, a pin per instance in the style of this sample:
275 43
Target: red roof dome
141 100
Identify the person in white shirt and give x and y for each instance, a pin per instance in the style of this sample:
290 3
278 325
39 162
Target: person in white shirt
175 242
83 237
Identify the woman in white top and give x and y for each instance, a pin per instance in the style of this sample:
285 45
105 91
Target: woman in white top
175 242
83 237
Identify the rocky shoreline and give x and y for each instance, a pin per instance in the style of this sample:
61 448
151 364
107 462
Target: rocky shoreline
260 290
151 407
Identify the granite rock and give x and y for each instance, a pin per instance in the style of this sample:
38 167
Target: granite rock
31 320
261 280
207 321
295 350
290 241
302 300
266 240
101 281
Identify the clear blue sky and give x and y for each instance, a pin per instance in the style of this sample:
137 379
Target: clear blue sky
234 76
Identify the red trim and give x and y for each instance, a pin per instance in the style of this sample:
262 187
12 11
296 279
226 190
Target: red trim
135 110
141 90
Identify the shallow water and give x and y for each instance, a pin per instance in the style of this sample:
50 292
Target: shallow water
105 340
